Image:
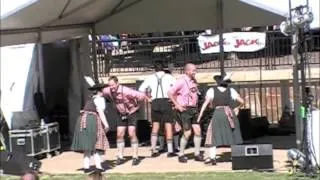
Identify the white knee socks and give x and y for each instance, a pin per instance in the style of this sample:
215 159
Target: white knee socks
86 160
97 160
120 146
213 152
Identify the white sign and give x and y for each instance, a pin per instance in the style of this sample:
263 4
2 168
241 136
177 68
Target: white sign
233 42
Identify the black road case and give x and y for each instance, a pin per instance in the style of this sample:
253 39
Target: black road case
51 138
28 141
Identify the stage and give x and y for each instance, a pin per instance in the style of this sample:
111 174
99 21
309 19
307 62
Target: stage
71 163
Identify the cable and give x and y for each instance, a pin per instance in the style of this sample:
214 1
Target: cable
308 147
308 57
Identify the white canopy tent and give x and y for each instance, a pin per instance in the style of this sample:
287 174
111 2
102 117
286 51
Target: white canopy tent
72 18
43 21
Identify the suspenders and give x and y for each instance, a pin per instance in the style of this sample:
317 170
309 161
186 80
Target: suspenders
159 84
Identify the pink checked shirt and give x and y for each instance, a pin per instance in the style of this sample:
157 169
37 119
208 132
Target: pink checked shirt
186 91
126 99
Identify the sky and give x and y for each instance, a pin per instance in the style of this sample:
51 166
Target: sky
8 7
283 6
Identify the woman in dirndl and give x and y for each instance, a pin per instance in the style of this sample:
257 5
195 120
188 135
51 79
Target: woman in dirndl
90 131
224 127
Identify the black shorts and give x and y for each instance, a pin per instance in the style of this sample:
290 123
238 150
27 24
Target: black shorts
129 120
187 118
161 111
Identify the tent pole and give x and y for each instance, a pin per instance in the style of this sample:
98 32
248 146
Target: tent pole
39 29
94 53
220 30
40 64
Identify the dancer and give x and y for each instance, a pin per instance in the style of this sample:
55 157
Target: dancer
159 84
90 131
126 101
224 127
184 96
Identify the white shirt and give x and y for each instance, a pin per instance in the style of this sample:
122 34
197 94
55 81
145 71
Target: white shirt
152 81
210 93
99 102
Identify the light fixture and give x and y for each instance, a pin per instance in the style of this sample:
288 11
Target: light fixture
287 28
297 157
301 17
308 17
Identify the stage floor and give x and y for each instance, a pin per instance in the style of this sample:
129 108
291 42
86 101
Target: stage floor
71 163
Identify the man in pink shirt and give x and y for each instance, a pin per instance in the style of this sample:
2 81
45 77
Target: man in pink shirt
126 101
184 95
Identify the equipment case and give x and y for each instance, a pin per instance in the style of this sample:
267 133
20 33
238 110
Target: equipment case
28 141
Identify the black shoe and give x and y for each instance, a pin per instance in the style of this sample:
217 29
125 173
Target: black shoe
86 171
210 161
154 154
100 170
169 155
120 161
135 161
199 158
183 159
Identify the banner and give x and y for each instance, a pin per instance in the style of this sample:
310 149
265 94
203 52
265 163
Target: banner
233 42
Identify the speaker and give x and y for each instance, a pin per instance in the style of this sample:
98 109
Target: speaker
25 119
259 126
252 156
244 117
16 163
143 131
112 116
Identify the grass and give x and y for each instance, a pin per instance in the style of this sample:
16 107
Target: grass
178 176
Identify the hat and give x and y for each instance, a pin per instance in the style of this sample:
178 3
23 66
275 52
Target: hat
94 86
97 87
222 78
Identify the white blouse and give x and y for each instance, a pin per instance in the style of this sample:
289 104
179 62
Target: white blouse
210 93
99 102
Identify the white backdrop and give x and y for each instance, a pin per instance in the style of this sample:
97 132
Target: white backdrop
17 84
20 77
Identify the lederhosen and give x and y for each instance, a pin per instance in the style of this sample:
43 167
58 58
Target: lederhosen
224 128
89 133
125 119
161 108
189 116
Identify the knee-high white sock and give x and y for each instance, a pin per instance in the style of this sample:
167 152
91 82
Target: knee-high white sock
97 160
120 146
154 139
213 152
183 145
134 145
86 160
170 145
197 145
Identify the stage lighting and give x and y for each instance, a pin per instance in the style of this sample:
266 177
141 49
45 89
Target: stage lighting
308 17
301 17
286 28
296 156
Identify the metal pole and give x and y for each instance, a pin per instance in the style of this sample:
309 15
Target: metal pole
296 90
220 30
94 54
41 81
